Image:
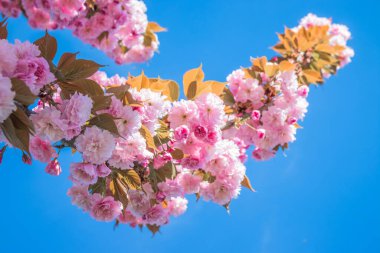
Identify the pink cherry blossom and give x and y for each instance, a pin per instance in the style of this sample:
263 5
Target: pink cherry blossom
53 168
7 105
105 209
95 144
41 149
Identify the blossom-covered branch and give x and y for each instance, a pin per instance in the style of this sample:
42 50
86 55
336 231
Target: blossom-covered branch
143 150
119 28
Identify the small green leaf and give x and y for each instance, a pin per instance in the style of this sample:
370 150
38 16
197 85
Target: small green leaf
148 137
177 154
106 122
23 93
130 178
247 183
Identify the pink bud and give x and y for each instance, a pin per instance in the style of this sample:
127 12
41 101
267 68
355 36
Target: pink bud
26 159
262 154
181 133
144 163
303 91
160 196
53 168
291 120
260 133
256 115
200 132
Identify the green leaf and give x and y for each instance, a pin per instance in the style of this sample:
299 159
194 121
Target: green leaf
120 190
228 98
90 87
119 91
177 154
153 228
19 117
79 69
148 137
247 183
17 135
190 80
3 29
47 46
106 122
83 86
130 178
167 171
99 186
23 93
101 102
66 59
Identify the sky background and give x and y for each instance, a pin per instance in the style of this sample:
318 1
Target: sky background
322 196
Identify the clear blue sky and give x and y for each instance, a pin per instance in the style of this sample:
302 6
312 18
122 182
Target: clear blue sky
323 197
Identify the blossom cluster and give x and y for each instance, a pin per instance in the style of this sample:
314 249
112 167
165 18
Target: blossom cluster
271 97
339 35
143 151
119 28
21 61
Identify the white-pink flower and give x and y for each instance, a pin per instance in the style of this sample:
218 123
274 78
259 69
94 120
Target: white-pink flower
41 149
53 168
75 112
105 209
48 124
7 106
95 144
83 173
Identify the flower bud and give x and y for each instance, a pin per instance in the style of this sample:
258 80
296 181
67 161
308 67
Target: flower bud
160 196
303 91
200 132
255 115
53 168
260 133
181 133
291 120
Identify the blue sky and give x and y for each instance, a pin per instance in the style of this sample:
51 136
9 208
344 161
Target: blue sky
322 197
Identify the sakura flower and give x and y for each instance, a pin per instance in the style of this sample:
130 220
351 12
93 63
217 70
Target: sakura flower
95 144
53 168
83 173
7 105
105 209
41 149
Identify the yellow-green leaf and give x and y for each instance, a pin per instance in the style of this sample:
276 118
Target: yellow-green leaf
106 122
155 27
190 80
247 183
47 46
148 137
23 93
